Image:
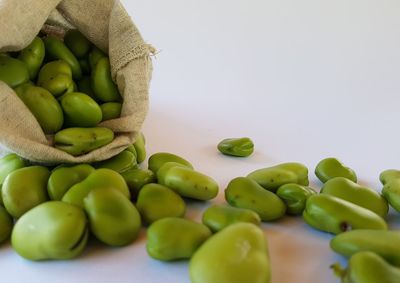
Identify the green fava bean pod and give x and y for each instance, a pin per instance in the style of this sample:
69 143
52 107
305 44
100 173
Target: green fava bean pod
111 110
63 178
367 267
56 77
246 193
77 43
100 178
140 148
80 110
174 238
13 71
84 85
78 141
102 84
391 192
329 168
161 173
218 217
85 67
158 159
240 147
271 178
8 164
6 224
123 161
335 215
33 56
19 196
189 183
113 219
389 175
94 56
136 178
381 242
56 50
295 197
44 107
241 253
51 230
348 190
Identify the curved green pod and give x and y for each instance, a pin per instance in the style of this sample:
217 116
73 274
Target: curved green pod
158 159
77 43
54 229
80 110
123 161
240 147
363 196
174 238
189 183
391 192
63 178
113 219
102 84
94 56
56 49
100 178
56 77
246 193
8 164
140 147
13 71
329 168
367 267
162 171
382 242
334 215
271 178
19 196
295 197
84 85
243 250
78 141
44 107
111 110
6 224
218 217
33 56
389 175
136 178
156 201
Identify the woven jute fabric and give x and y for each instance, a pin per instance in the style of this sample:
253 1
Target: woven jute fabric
107 25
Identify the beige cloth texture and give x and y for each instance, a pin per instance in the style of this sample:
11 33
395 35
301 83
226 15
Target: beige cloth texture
106 24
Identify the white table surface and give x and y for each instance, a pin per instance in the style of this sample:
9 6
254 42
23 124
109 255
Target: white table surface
304 79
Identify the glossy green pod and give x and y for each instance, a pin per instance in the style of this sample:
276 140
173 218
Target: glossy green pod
271 178
111 110
80 110
389 175
363 196
100 178
51 230
174 238
84 85
218 217
382 242
77 43
140 148
78 141
102 84
56 49
44 107
24 189
329 168
6 224
113 219
63 178
13 71
8 164
246 193
162 171
334 215
241 147
56 77
33 56
367 267
136 178
158 159
94 56
241 253
123 161
156 201
189 183
295 197
391 192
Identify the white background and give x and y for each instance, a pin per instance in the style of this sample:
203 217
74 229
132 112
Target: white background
304 79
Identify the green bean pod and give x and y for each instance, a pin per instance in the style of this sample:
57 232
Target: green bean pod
94 56
102 84
56 77
391 192
111 110
329 168
240 147
158 159
389 175
136 178
77 43
13 71
295 197
123 161
33 56
8 164
140 148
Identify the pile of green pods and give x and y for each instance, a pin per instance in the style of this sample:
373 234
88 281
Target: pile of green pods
67 85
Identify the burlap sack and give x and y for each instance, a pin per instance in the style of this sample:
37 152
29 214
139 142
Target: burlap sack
109 27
